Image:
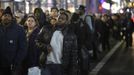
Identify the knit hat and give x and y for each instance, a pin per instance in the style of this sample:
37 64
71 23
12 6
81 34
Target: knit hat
8 11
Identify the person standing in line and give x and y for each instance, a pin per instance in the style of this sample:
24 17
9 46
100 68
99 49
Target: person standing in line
62 52
33 53
13 44
32 32
40 16
53 22
54 13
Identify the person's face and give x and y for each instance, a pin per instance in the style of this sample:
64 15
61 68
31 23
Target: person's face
62 11
6 19
97 16
30 22
18 19
81 12
62 19
54 13
103 18
37 14
47 12
53 21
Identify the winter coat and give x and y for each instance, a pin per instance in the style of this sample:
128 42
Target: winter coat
44 37
70 51
33 51
13 45
43 41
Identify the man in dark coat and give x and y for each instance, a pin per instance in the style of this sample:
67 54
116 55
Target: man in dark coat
13 46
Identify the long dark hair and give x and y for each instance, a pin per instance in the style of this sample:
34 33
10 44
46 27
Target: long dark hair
41 17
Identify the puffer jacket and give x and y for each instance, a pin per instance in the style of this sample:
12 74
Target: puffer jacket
70 52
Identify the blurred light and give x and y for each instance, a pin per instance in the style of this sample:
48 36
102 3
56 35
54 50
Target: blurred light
115 8
128 10
121 11
27 7
100 7
132 17
43 1
18 0
71 9
106 5
33 1
5 0
68 1
101 1
130 4
116 0
49 1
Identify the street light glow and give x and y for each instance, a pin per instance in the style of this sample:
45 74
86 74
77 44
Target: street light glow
106 5
27 7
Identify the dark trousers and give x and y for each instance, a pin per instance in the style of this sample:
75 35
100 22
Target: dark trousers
128 39
8 71
105 42
5 71
52 69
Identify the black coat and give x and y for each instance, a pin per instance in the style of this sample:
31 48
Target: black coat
43 41
33 50
13 45
70 51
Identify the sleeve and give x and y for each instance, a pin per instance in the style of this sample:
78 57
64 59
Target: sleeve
22 47
74 57
70 53
40 40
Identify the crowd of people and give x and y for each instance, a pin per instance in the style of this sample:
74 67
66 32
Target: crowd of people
58 42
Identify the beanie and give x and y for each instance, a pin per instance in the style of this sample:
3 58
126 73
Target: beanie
8 11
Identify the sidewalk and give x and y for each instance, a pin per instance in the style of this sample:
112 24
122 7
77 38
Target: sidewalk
105 54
